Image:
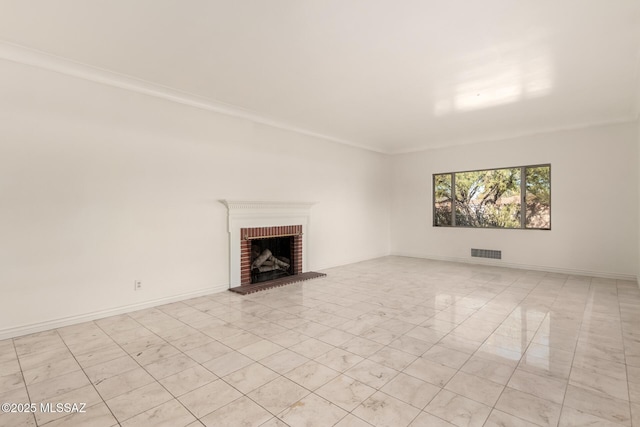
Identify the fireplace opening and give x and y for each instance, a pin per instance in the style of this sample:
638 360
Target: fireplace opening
269 253
271 258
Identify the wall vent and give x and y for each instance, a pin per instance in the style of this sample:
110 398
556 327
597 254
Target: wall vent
486 253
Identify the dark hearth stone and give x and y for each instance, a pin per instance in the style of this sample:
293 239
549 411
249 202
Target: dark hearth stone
255 287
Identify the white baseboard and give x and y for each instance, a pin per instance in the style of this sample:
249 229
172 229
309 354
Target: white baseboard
349 261
497 263
72 320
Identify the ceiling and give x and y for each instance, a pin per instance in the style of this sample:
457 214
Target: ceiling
391 76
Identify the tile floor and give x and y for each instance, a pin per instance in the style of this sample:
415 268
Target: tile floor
390 342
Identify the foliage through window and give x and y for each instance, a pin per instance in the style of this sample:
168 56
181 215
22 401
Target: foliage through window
517 197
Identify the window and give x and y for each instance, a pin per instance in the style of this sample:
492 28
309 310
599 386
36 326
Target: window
517 197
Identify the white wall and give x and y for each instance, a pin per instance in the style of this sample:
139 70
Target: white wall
100 187
594 213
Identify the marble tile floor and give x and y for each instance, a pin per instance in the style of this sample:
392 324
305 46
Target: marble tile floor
388 342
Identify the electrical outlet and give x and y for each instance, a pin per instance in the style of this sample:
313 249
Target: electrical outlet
137 284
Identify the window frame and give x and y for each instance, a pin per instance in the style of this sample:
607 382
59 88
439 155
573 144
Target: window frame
523 189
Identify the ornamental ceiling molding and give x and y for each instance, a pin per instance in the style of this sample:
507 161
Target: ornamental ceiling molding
31 57
36 58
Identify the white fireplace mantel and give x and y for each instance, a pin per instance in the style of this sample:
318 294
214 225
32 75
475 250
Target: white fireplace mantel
253 213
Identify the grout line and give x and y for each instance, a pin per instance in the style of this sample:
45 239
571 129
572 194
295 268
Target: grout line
24 381
325 301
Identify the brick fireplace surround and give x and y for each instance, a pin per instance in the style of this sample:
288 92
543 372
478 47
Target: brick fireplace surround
265 218
248 234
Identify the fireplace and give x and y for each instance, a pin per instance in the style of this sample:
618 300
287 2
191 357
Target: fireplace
263 224
268 253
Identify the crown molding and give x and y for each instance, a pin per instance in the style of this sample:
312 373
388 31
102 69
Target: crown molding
35 58
515 135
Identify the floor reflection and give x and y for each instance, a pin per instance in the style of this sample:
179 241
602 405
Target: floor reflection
393 341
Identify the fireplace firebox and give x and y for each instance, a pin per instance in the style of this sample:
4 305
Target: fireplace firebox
269 253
